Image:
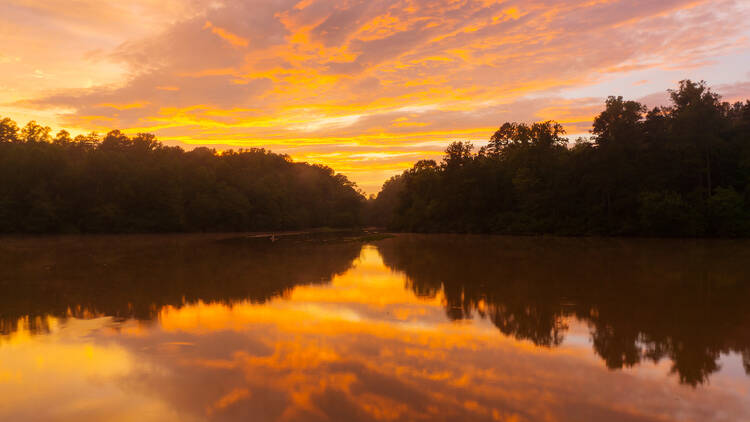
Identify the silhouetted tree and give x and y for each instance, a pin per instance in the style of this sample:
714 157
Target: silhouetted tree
681 170
119 183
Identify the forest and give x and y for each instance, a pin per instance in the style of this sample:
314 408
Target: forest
676 170
118 183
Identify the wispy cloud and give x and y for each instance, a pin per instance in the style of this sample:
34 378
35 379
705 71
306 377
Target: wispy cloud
383 75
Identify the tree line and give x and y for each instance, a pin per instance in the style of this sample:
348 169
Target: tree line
120 183
678 170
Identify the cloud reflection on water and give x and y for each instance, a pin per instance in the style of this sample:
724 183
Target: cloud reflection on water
363 346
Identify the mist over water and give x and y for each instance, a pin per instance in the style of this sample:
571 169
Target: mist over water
433 327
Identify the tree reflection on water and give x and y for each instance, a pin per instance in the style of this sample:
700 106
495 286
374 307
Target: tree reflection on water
642 299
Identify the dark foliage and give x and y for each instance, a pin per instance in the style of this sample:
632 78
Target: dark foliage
135 184
682 170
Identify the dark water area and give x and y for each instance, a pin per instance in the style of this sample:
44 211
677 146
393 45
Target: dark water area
415 327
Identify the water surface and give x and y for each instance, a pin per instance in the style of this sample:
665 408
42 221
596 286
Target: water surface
195 328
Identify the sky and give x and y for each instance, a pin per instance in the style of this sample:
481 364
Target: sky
367 87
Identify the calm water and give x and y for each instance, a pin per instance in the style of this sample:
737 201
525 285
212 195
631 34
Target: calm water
193 328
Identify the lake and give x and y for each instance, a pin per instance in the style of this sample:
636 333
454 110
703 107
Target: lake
410 328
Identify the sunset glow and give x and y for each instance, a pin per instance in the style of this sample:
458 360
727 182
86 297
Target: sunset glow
367 87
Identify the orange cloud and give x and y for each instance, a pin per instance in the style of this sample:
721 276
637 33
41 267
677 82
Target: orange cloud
227 36
310 74
137 104
228 399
